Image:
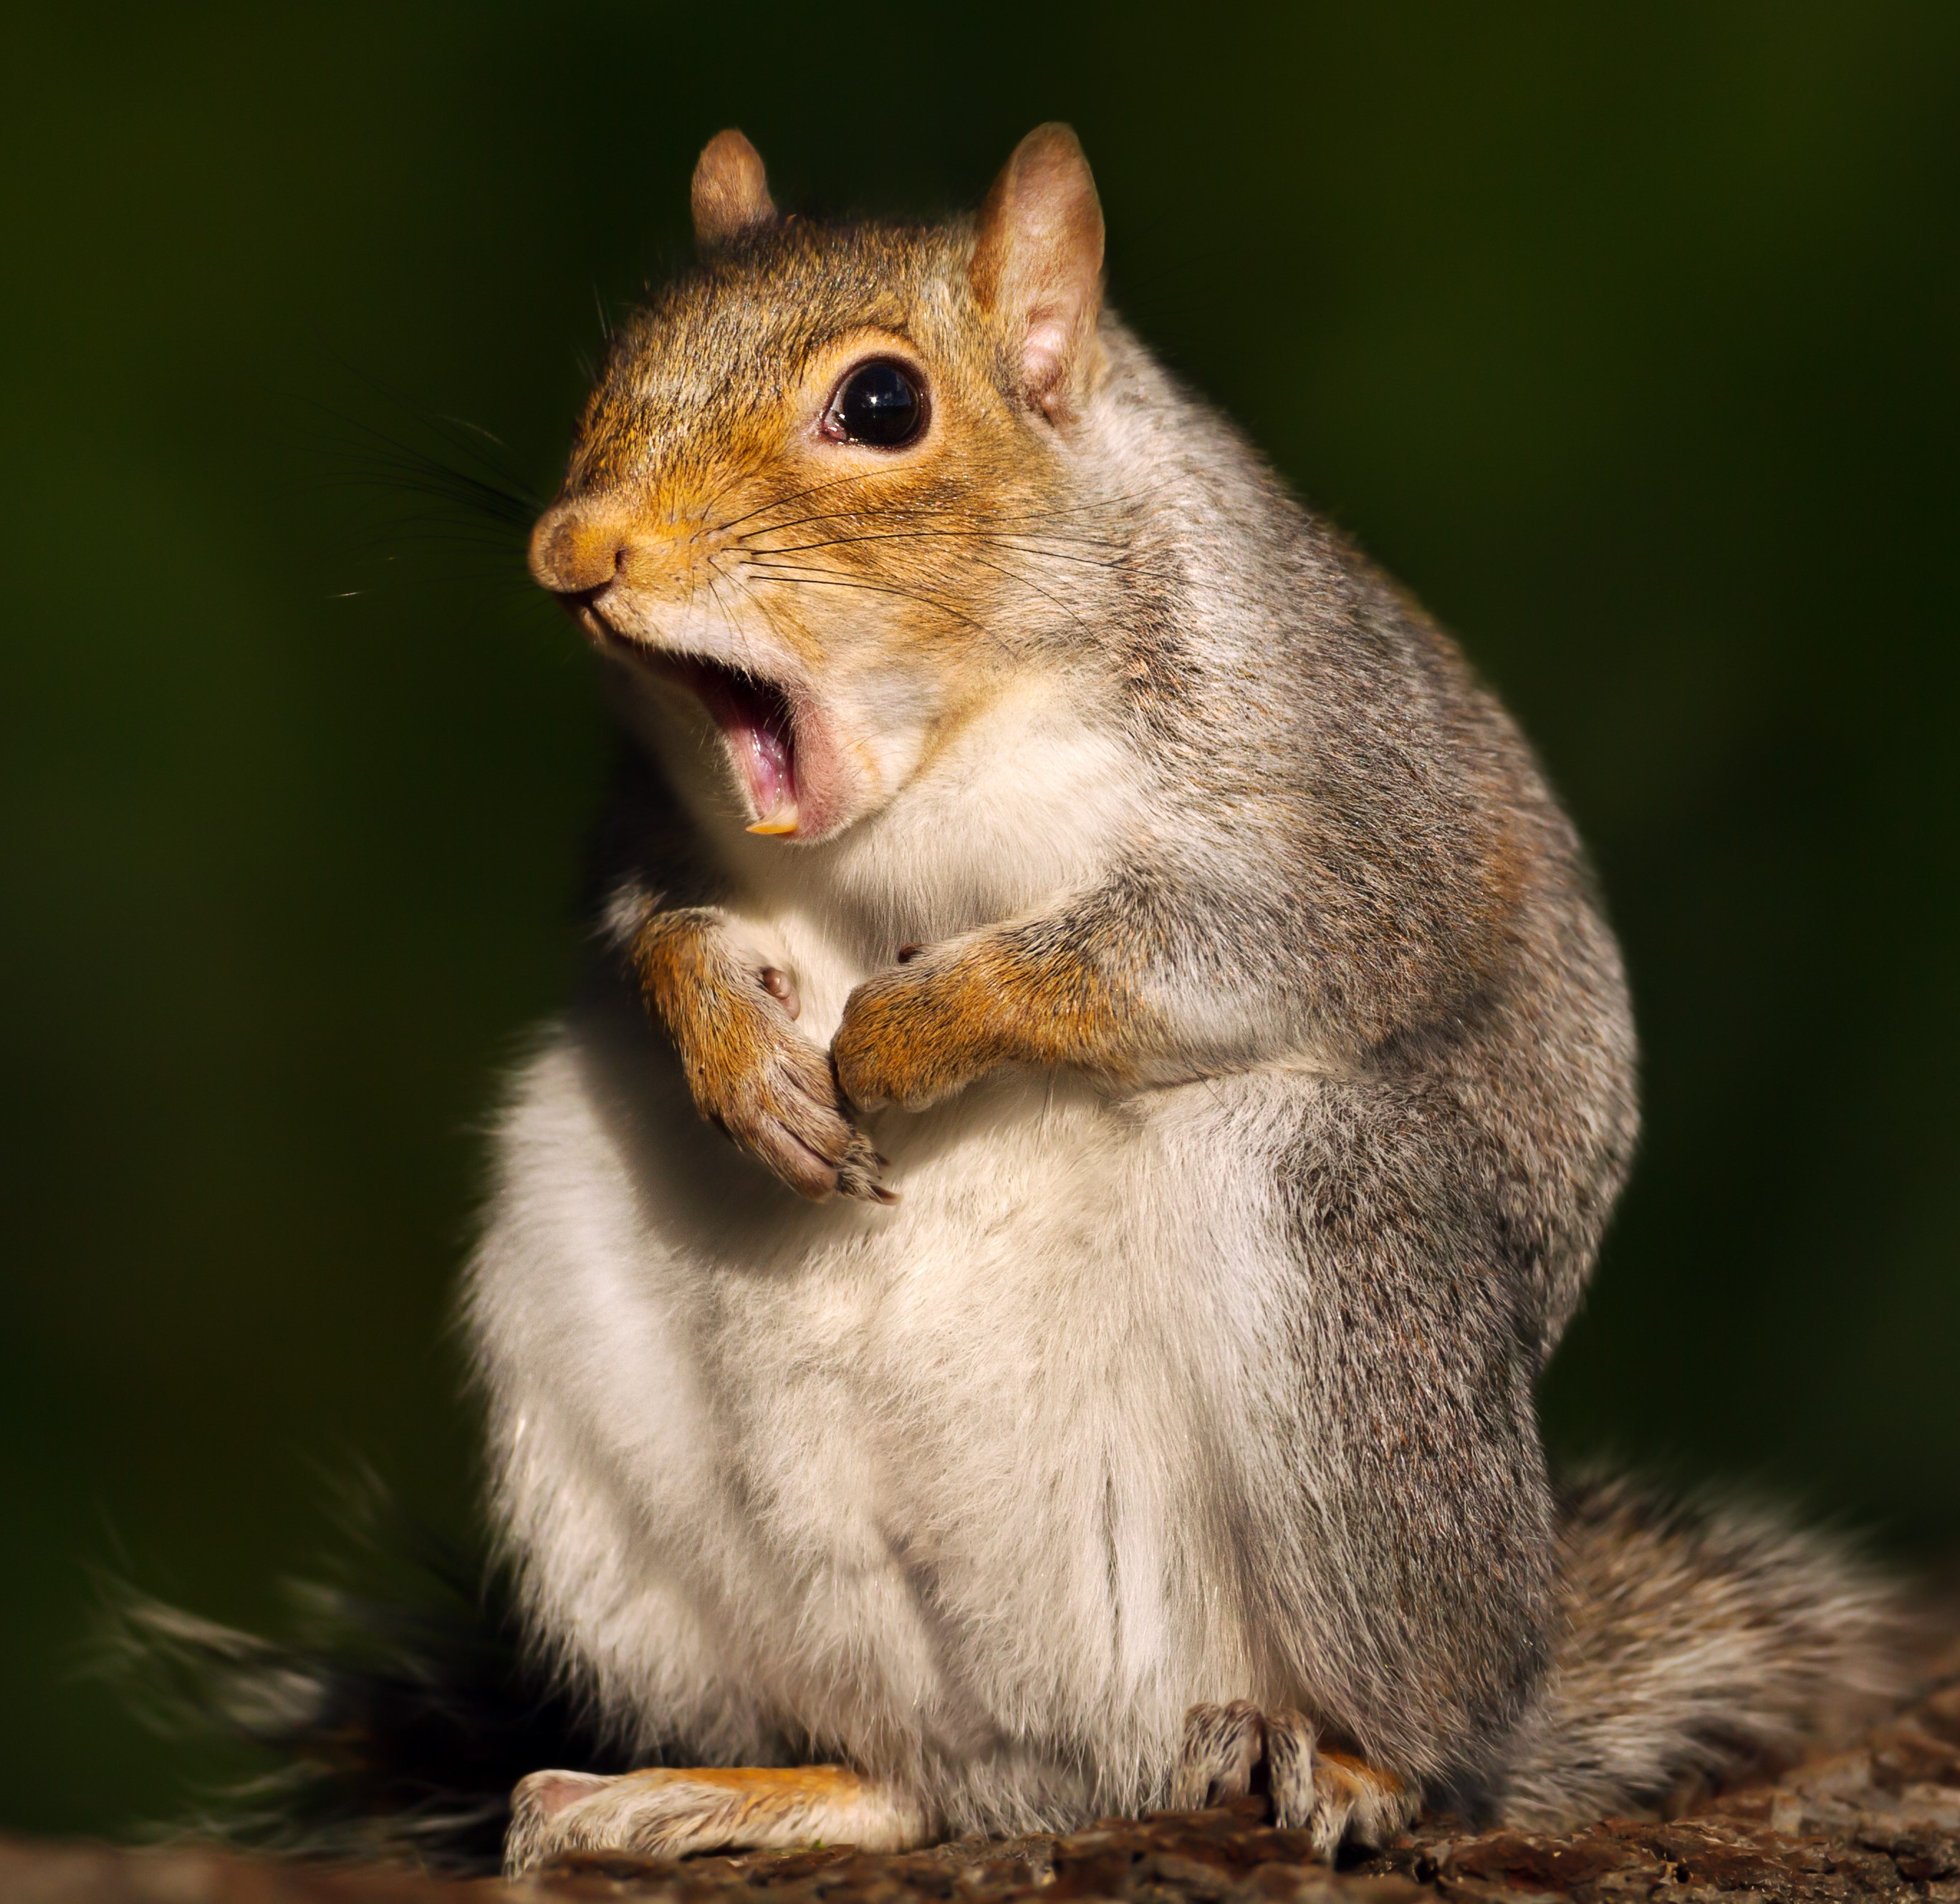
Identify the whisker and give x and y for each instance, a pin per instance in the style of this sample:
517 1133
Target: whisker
995 568
438 423
487 488
761 560
948 534
1054 601
882 514
811 579
468 428
796 495
740 476
721 607
762 607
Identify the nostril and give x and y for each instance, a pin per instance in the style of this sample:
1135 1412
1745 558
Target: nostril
577 556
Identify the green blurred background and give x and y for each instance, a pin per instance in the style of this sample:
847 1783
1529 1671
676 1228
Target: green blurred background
1626 336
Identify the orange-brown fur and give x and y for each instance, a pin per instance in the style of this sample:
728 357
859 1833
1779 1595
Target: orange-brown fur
750 1073
759 1786
917 1033
714 1013
672 1812
751 511
1359 1774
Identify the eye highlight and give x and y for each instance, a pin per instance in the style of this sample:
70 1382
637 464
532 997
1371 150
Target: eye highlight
880 404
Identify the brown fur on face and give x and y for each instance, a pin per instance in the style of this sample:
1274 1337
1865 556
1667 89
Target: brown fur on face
710 513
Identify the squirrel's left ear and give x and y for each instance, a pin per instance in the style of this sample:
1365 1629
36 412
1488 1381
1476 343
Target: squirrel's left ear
731 191
1038 265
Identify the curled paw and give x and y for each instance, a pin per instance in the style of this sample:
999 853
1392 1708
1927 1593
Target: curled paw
758 1078
1228 1749
910 1037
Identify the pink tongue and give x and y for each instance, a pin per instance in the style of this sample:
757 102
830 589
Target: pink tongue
765 755
768 765
756 721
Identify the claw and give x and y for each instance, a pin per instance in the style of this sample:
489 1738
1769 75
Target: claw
1333 1798
1222 1744
858 1172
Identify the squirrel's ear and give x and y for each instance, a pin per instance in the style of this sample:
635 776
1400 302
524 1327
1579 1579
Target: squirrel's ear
731 191
1038 265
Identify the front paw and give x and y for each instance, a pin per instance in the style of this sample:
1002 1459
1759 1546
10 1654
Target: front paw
787 1114
772 1091
908 1037
732 1019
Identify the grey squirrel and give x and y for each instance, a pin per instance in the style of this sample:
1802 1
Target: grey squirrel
1177 1072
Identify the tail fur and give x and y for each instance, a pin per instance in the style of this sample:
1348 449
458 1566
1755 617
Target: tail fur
1699 1640
393 1724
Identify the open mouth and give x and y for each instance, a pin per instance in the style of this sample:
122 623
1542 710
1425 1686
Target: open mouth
757 722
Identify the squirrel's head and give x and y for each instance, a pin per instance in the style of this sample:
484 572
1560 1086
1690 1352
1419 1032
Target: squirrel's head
824 492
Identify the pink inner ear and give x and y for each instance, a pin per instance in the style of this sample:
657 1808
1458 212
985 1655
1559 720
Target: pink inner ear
1038 265
1044 353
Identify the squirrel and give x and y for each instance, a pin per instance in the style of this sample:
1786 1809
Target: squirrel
1014 1292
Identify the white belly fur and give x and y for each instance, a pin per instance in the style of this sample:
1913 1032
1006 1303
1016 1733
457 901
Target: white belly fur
943 1489
940 1488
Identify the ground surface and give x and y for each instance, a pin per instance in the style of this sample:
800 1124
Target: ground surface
1881 1822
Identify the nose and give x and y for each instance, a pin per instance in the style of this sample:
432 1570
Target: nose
578 550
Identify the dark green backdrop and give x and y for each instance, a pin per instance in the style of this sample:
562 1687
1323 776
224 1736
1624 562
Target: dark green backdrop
1628 337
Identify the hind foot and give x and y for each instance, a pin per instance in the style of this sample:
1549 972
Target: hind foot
1337 1798
662 1813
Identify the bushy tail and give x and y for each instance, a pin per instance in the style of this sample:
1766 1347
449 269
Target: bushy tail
392 1723
1699 1640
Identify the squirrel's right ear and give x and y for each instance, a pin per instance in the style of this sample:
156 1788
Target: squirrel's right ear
1038 266
731 191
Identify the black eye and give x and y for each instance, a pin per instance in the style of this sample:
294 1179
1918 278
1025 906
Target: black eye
879 404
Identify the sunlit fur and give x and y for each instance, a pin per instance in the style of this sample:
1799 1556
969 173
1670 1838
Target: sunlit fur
1195 1365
